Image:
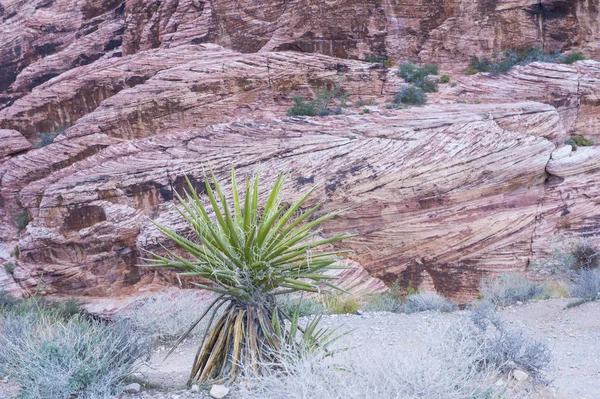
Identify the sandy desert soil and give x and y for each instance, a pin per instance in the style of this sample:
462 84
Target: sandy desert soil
572 334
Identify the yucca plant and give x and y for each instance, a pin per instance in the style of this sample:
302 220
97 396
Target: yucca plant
251 254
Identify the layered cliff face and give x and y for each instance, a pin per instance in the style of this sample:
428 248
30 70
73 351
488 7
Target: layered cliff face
144 92
43 38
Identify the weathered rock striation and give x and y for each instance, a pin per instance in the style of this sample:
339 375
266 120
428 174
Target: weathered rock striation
43 38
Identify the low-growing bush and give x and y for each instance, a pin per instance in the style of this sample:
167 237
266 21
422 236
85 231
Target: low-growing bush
418 76
379 59
424 301
445 79
504 348
59 310
9 268
587 285
22 219
321 105
574 57
504 62
385 302
450 364
510 288
580 141
410 95
52 352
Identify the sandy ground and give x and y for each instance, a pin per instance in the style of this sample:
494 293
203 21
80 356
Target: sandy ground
572 334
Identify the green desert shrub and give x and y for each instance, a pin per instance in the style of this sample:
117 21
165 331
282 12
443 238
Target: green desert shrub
379 59
580 141
323 103
9 267
445 79
340 304
418 76
22 219
410 95
504 62
384 302
574 57
251 253
305 306
510 288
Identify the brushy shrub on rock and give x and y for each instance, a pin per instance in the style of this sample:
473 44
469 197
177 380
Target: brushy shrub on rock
424 301
504 62
580 141
321 105
22 220
445 79
410 95
53 355
574 57
418 76
510 288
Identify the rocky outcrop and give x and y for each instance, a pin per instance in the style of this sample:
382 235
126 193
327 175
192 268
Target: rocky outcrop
45 38
573 89
441 192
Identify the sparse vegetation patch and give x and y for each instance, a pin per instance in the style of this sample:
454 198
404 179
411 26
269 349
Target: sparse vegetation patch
48 138
410 95
580 141
323 103
505 61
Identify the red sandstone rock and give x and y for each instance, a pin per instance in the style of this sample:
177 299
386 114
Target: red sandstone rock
441 195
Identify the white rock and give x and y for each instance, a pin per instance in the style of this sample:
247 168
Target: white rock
133 388
218 391
562 152
520 375
195 388
500 382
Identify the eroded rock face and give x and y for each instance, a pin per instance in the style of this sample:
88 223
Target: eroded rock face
44 38
573 89
442 193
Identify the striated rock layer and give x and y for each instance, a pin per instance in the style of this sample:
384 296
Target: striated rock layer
439 193
42 39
